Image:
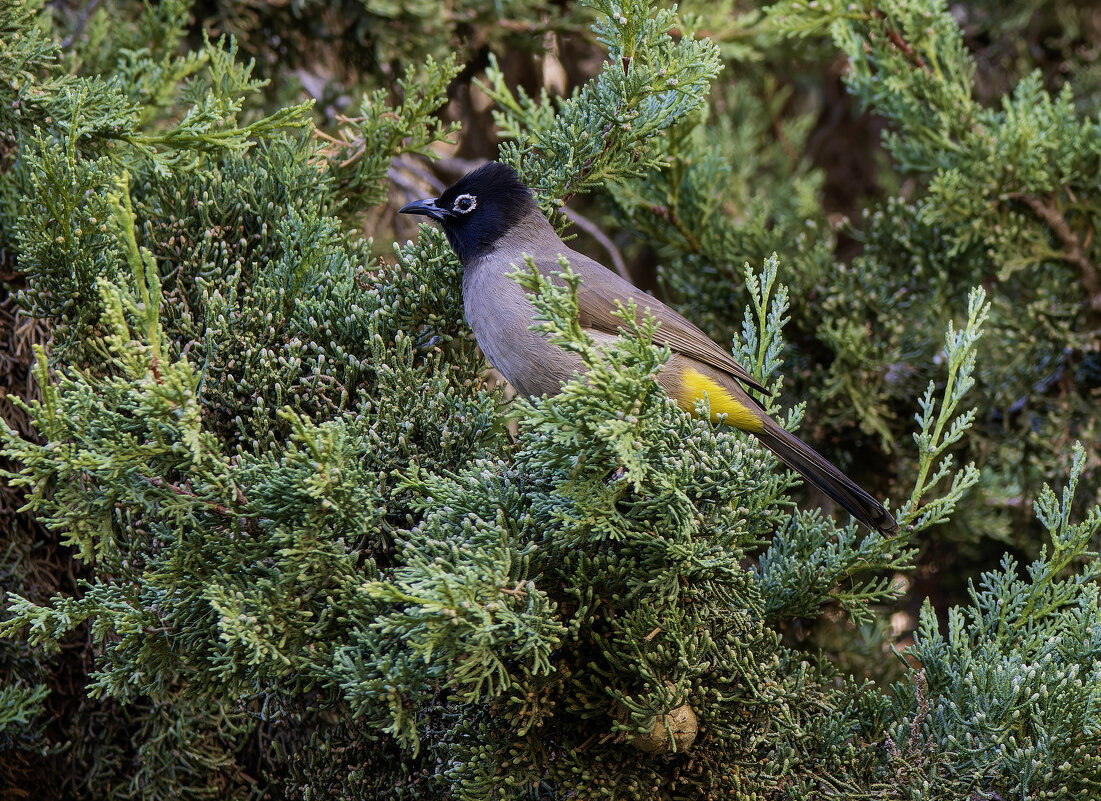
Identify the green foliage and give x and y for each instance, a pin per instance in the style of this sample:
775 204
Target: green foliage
732 194
315 556
23 688
1005 199
625 523
933 440
805 571
360 157
250 375
615 125
1011 693
352 46
20 705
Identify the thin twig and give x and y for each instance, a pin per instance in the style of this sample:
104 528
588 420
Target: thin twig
602 239
517 591
900 43
455 167
410 189
67 42
419 169
160 483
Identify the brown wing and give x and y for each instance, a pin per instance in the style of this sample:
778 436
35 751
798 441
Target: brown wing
601 288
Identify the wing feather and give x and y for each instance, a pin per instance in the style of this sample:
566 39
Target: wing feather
596 301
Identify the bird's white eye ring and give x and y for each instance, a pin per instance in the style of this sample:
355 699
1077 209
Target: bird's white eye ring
464 204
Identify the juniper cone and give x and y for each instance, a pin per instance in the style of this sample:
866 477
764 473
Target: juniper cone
491 220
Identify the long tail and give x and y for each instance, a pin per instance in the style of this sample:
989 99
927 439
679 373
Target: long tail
814 468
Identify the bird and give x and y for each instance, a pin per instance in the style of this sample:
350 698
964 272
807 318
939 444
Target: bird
491 220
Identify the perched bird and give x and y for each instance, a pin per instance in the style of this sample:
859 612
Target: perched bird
491 220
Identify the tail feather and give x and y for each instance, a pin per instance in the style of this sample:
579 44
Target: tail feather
812 466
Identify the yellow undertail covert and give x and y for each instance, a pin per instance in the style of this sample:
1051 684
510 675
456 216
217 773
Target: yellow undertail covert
695 385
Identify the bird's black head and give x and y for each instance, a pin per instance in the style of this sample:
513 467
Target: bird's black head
478 209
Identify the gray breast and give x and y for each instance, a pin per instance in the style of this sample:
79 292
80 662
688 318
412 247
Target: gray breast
500 313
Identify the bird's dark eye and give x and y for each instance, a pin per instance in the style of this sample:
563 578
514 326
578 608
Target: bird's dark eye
464 204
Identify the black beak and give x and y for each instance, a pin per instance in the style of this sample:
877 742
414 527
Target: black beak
427 207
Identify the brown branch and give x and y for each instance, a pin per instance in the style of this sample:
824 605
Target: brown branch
455 168
900 43
602 239
410 189
517 591
221 509
1073 251
416 168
